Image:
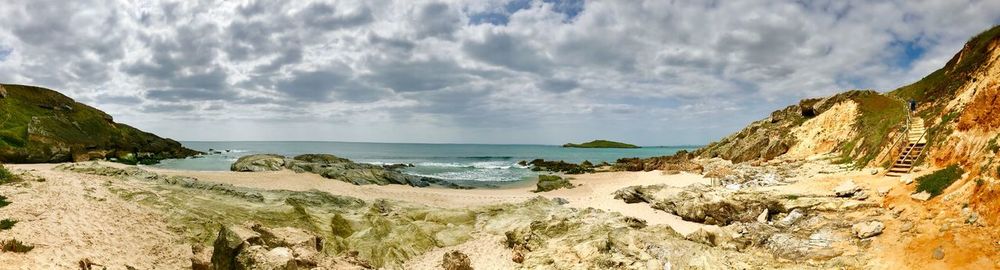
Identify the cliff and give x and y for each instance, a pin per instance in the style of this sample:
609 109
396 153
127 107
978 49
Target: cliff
957 103
42 125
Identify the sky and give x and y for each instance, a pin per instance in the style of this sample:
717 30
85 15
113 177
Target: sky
490 71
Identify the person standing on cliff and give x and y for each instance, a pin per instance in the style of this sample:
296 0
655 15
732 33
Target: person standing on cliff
913 105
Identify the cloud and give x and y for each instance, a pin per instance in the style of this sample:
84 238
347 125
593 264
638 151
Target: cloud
500 71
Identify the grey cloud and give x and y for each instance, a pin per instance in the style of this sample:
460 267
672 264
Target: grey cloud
558 85
323 85
161 108
505 50
325 16
420 75
437 20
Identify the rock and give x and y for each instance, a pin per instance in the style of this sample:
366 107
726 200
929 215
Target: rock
762 218
3 92
559 166
846 189
867 229
703 236
718 207
258 257
791 218
201 257
906 226
256 247
906 180
938 253
321 158
551 182
258 163
560 200
632 194
922 196
231 241
456 260
883 191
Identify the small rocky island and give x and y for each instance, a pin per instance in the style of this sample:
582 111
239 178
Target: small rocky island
601 144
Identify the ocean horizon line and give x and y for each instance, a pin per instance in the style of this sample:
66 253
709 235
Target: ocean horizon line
425 143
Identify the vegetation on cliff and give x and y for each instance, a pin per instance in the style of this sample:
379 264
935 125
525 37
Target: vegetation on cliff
600 144
42 125
936 182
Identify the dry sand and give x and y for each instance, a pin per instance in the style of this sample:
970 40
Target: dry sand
71 217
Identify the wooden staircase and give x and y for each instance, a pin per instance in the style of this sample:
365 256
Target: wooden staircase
916 140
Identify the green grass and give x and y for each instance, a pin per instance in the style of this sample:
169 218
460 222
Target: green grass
936 182
6 176
4 201
6 224
13 245
601 144
60 119
879 115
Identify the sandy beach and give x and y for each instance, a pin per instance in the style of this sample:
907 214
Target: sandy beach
592 191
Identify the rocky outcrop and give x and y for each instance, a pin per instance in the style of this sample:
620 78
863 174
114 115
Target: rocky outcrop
258 163
253 246
551 182
333 167
867 229
706 205
559 166
41 125
679 162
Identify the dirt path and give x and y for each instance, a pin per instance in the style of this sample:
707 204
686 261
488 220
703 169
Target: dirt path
70 217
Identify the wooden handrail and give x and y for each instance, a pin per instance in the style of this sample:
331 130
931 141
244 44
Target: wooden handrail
914 163
906 131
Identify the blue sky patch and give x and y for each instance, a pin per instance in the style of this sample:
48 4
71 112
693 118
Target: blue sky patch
907 51
4 52
569 8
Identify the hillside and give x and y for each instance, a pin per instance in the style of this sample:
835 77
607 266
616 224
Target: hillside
600 144
958 104
42 125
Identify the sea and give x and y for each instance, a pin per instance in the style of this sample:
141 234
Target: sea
454 162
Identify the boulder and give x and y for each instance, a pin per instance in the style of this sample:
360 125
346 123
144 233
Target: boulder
921 196
867 229
938 253
253 246
631 194
456 260
258 163
259 258
231 241
551 182
3 92
846 189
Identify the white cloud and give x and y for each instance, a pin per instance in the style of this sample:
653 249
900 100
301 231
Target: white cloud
650 72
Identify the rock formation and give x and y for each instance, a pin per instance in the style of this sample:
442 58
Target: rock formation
551 182
334 167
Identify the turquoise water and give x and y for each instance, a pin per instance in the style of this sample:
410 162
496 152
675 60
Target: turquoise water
457 162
